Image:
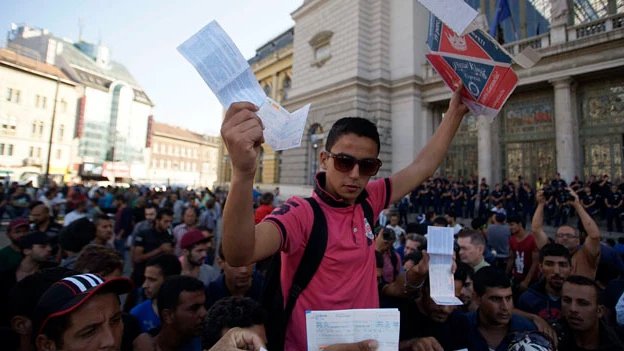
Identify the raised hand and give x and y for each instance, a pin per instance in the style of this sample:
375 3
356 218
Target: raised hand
242 135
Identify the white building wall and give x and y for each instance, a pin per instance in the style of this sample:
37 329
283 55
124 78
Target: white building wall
25 114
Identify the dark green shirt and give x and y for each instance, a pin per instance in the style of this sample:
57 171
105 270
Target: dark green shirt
9 258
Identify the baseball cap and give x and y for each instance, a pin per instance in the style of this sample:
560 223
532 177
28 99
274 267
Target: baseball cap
191 238
33 238
18 222
70 293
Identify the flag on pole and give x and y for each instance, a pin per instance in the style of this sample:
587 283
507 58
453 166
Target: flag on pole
502 13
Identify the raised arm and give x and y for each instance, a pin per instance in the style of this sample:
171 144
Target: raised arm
243 242
537 224
592 242
430 157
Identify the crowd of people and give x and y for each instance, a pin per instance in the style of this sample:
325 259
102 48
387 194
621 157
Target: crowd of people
142 269
461 197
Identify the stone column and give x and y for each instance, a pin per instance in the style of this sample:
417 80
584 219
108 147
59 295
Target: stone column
426 126
495 134
274 90
484 147
407 127
567 143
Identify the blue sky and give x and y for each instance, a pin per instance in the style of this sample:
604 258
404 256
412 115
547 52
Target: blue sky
143 35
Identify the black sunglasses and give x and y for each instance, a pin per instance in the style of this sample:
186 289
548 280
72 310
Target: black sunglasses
345 163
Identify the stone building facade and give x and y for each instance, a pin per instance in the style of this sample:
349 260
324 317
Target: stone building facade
29 142
181 157
367 59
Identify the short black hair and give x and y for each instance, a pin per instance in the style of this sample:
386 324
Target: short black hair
463 272
170 290
169 264
151 207
440 220
77 235
489 277
353 125
101 217
557 250
231 312
515 219
164 212
584 281
35 204
478 223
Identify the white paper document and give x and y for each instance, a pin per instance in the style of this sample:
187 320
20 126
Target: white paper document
222 66
283 129
456 14
440 243
325 328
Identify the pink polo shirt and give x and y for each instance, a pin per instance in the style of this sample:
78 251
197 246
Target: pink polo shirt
347 276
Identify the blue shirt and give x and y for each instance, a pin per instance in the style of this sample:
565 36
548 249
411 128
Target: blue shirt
144 312
478 342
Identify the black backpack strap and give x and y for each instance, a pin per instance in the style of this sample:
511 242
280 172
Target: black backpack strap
368 213
311 259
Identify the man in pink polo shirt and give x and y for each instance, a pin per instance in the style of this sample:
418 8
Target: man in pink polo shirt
347 276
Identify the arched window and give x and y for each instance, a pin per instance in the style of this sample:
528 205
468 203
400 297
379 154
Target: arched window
285 87
260 166
267 90
315 145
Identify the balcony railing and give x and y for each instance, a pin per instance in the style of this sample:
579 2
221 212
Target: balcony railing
584 30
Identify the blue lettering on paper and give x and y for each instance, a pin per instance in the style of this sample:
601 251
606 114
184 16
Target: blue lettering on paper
473 75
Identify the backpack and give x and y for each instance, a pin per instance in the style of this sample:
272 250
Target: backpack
272 298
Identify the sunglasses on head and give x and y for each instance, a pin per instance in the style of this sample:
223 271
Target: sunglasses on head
345 163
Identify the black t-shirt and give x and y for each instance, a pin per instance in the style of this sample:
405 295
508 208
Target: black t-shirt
131 330
453 334
483 194
470 193
149 240
557 183
588 199
496 194
614 198
456 193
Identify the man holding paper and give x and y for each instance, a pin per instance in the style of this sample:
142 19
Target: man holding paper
346 277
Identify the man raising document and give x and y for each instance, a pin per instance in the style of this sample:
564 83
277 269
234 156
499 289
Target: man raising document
346 277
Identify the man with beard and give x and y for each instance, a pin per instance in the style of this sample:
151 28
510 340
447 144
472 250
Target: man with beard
158 269
544 297
234 281
582 327
11 255
182 311
35 247
426 325
585 258
195 247
103 231
40 220
151 243
147 223
494 321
